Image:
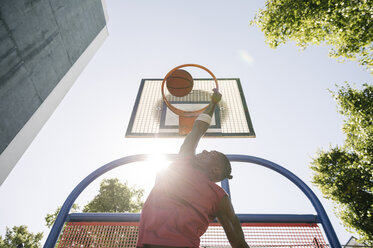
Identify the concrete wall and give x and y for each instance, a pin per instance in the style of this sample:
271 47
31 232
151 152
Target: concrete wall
42 42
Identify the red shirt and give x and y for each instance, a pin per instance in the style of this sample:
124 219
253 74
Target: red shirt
179 208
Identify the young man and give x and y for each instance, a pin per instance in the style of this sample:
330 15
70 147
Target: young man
185 198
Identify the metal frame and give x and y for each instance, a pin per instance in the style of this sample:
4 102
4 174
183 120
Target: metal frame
244 218
321 216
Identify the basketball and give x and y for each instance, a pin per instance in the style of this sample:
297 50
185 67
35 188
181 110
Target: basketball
179 83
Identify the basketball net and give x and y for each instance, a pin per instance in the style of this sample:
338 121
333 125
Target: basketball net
186 124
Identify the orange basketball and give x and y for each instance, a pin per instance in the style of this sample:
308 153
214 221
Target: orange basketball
179 83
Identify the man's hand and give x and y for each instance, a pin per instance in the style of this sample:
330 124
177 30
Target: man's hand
215 99
216 96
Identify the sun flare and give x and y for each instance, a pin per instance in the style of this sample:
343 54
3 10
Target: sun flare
157 162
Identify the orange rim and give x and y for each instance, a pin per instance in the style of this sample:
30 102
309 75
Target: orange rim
179 111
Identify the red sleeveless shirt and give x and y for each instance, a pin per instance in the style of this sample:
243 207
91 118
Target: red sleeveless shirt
179 207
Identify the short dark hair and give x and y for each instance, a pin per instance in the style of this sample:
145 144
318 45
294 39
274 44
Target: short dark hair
227 170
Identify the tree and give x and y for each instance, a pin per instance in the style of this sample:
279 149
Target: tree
344 25
113 197
19 236
116 197
344 174
51 218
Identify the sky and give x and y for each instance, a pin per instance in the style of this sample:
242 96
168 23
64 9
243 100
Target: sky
286 90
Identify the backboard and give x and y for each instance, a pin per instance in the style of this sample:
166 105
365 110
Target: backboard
153 119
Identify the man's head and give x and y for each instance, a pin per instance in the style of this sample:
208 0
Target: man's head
214 164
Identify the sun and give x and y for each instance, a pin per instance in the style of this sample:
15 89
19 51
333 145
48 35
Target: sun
157 162
143 174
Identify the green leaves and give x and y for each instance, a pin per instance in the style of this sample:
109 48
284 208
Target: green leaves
51 218
347 26
113 197
116 197
345 174
357 106
19 235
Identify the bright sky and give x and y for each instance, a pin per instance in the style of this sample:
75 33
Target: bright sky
286 91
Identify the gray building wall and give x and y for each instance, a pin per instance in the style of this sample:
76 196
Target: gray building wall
40 41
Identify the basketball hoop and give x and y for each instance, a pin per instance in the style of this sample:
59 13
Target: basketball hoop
186 118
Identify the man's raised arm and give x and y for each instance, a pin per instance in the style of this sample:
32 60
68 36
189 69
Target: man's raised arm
201 124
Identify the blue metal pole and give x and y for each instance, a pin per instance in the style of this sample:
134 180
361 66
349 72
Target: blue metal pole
324 219
244 218
61 218
225 186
